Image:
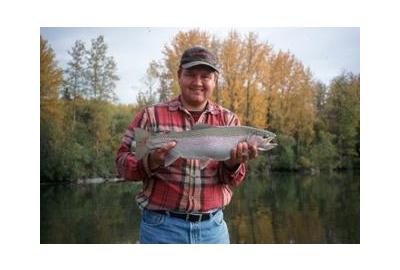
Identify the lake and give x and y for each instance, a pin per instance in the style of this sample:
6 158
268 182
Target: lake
266 208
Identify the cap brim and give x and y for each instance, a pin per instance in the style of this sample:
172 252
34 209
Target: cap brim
198 63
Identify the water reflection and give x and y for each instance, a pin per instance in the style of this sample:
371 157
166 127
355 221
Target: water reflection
276 208
94 213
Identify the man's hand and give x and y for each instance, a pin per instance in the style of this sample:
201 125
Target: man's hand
157 157
242 152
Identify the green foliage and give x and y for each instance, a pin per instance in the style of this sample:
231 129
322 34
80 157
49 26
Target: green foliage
286 158
342 114
87 148
323 153
336 143
50 114
304 162
81 132
260 165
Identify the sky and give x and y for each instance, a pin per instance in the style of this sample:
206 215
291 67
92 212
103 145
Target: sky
326 51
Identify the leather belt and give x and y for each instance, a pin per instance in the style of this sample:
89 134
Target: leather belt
186 216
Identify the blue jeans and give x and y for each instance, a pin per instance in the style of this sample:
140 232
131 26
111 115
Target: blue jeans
156 228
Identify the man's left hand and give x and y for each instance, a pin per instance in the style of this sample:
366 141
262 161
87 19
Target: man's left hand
241 153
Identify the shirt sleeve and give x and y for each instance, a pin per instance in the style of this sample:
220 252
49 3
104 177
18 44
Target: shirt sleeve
127 165
234 176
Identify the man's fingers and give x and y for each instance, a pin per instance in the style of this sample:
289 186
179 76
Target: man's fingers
160 152
240 152
245 150
253 151
165 147
234 153
158 155
169 145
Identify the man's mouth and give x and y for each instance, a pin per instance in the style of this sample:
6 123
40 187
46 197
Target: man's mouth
197 91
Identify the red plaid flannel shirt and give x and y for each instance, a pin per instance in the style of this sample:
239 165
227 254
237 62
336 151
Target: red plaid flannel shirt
182 186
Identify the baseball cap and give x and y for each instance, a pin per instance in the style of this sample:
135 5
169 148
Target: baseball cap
196 56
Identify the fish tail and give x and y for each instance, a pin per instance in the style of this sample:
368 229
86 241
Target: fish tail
141 137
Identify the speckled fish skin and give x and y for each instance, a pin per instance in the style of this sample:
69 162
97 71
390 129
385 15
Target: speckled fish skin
203 142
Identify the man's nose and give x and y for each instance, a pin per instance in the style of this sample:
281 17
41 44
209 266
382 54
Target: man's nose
197 80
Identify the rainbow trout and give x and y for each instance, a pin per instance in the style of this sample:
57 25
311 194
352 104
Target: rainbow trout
202 142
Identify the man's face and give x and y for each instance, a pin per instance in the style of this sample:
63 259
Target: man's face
197 85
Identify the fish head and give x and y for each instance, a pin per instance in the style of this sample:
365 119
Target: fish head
265 134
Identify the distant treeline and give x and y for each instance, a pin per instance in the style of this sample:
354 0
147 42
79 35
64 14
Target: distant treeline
81 125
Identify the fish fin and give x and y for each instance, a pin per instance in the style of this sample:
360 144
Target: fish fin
141 137
204 163
201 126
171 157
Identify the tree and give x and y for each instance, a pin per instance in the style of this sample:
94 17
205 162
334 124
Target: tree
50 112
50 79
343 117
291 96
255 67
245 65
231 57
101 71
75 86
164 92
323 153
320 96
149 95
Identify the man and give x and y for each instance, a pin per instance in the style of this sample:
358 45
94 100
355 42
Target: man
182 203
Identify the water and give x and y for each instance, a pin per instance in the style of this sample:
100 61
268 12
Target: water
275 208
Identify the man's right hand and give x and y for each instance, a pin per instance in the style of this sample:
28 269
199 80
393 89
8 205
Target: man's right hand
157 157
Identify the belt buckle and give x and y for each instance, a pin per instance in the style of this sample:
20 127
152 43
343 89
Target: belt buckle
197 215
